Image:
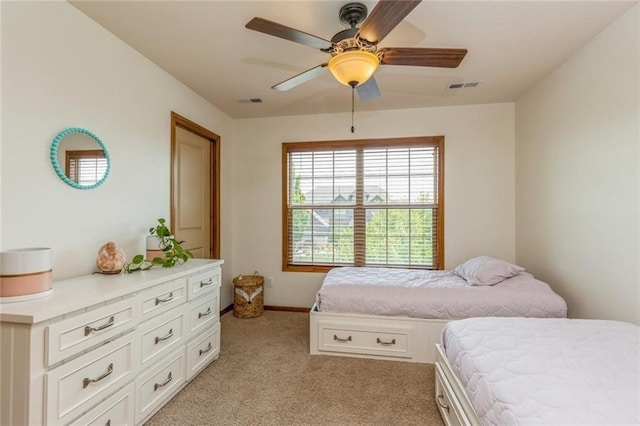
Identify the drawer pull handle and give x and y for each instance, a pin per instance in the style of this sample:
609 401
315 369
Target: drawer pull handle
87 381
381 342
205 313
206 283
204 351
167 299
348 339
168 336
440 403
88 330
159 385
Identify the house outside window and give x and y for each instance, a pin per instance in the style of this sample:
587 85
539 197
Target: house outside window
363 203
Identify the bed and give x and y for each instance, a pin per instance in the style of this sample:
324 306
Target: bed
514 371
398 314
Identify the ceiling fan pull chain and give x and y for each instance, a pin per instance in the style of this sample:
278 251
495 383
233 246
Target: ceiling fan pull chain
353 89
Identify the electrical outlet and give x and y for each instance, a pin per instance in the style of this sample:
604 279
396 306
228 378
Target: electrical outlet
269 281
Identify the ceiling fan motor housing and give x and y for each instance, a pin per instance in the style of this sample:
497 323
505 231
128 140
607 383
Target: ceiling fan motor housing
352 14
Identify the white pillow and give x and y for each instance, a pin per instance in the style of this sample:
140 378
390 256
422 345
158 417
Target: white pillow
486 270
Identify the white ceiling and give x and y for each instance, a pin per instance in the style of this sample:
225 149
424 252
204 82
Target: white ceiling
204 44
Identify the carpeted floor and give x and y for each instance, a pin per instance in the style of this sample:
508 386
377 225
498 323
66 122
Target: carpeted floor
265 376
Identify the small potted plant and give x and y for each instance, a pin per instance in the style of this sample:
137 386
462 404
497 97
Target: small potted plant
162 250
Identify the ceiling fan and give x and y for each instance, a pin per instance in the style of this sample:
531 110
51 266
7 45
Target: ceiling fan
355 54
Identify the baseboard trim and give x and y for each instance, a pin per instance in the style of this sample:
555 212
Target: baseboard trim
272 308
287 309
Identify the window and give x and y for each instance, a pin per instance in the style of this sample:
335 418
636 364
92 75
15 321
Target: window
85 167
363 203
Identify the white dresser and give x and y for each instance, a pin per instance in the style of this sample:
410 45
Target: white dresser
108 350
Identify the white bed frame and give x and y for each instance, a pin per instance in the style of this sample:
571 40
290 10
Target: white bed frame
374 336
453 402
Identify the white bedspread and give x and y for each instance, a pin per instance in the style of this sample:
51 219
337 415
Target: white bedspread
434 294
547 371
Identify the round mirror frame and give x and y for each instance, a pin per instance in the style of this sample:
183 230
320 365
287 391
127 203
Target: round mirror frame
56 165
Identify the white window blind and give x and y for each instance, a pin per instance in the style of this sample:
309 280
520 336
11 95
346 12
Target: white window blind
86 167
373 203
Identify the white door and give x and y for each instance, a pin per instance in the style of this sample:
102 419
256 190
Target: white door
192 192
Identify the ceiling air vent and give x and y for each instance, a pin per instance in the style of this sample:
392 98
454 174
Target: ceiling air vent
250 101
463 85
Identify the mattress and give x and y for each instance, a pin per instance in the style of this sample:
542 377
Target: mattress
547 371
427 294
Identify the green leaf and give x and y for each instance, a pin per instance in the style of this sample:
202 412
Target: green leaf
137 259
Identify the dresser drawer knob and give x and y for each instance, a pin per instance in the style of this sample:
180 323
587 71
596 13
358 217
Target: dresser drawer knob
166 299
169 335
206 283
381 342
205 313
88 330
159 385
348 339
87 381
207 349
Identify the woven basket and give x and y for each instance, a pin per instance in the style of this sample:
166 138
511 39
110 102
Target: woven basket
248 296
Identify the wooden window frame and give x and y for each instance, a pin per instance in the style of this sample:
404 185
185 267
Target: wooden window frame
288 147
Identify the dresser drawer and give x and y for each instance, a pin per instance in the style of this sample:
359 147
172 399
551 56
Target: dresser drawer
394 342
117 410
203 350
162 334
204 312
155 385
204 282
73 388
78 333
162 298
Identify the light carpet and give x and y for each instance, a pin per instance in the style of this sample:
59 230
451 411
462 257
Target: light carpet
265 376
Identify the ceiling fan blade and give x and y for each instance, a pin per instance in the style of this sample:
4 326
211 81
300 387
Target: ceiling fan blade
423 56
384 17
303 77
368 90
287 33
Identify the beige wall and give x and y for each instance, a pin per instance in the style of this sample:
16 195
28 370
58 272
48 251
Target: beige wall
577 178
60 69
479 184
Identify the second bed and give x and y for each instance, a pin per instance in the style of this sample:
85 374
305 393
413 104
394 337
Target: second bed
398 314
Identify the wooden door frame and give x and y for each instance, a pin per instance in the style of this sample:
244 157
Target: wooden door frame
214 196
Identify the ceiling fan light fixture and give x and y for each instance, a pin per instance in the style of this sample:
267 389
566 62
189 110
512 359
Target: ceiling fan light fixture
353 66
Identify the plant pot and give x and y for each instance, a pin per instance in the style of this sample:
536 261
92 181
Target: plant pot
154 247
25 273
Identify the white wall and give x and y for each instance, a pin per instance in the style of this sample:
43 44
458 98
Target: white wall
60 69
479 184
577 179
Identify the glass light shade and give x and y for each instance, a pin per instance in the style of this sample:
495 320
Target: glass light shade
353 66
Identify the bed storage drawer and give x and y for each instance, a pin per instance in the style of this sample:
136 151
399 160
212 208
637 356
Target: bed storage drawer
393 342
448 405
